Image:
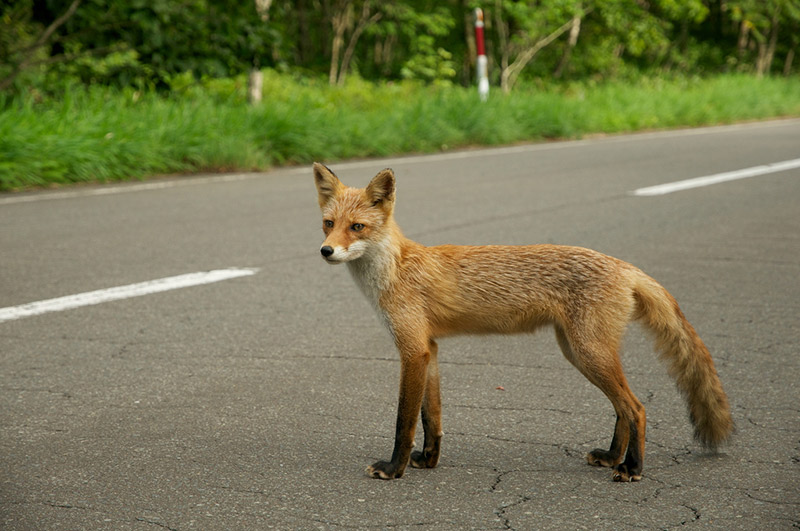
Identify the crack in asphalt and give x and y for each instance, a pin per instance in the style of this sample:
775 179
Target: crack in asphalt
65 506
333 523
500 512
695 512
765 427
762 500
506 408
148 520
493 363
62 394
156 523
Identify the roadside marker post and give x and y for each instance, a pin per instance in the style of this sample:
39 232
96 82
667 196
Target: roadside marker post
481 64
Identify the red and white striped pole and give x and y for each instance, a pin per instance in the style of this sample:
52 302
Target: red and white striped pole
482 66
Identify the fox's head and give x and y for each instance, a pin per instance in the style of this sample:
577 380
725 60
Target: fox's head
354 220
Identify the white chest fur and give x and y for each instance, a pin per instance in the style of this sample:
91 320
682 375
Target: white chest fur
373 270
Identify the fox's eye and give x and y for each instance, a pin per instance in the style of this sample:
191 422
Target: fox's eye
328 223
357 227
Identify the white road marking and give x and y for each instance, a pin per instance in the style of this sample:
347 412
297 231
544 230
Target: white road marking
121 292
717 178
123 188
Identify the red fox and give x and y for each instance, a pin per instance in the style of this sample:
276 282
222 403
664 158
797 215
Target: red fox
425 293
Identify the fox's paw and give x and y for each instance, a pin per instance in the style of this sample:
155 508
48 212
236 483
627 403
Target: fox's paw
385 470
598 457
624 474
424 459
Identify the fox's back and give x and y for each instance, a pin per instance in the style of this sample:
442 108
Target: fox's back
498 288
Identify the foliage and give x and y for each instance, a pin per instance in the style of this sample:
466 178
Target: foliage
136 42
143 43
426 59
524 29
760 26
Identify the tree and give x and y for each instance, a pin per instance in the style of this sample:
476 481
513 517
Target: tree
152 43
646 30
574 33
524 29
414 41
343 21
21 42
132 41
760 22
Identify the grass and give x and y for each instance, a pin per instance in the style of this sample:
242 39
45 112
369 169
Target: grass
105 134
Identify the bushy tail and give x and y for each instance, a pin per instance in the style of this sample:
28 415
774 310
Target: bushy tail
688 362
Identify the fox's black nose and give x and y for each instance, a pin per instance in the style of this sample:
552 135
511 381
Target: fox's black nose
326 250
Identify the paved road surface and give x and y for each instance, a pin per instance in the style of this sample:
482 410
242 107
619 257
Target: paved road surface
256 402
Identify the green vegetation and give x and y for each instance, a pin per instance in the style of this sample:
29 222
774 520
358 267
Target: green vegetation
107 134
146 43
95 90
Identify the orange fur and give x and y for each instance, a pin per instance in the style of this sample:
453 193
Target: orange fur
426 293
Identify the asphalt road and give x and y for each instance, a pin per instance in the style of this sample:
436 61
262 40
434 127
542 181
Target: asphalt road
257 402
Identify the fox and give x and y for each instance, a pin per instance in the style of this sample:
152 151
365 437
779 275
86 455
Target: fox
424 293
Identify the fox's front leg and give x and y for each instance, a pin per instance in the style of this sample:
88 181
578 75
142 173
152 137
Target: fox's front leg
431 416
413 374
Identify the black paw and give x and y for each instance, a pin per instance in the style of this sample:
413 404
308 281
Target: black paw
424 459
385 470
598 457
624 473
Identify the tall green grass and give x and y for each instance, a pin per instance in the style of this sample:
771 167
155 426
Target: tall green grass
105 134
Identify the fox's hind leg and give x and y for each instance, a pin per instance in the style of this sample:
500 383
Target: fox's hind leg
599 362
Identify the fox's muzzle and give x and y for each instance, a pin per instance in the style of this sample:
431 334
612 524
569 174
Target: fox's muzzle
326 251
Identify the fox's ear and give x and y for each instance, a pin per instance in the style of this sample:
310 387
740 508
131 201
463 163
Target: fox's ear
328 185
380 189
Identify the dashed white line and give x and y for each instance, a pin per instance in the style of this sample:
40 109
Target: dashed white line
123 188
717 178
121 292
